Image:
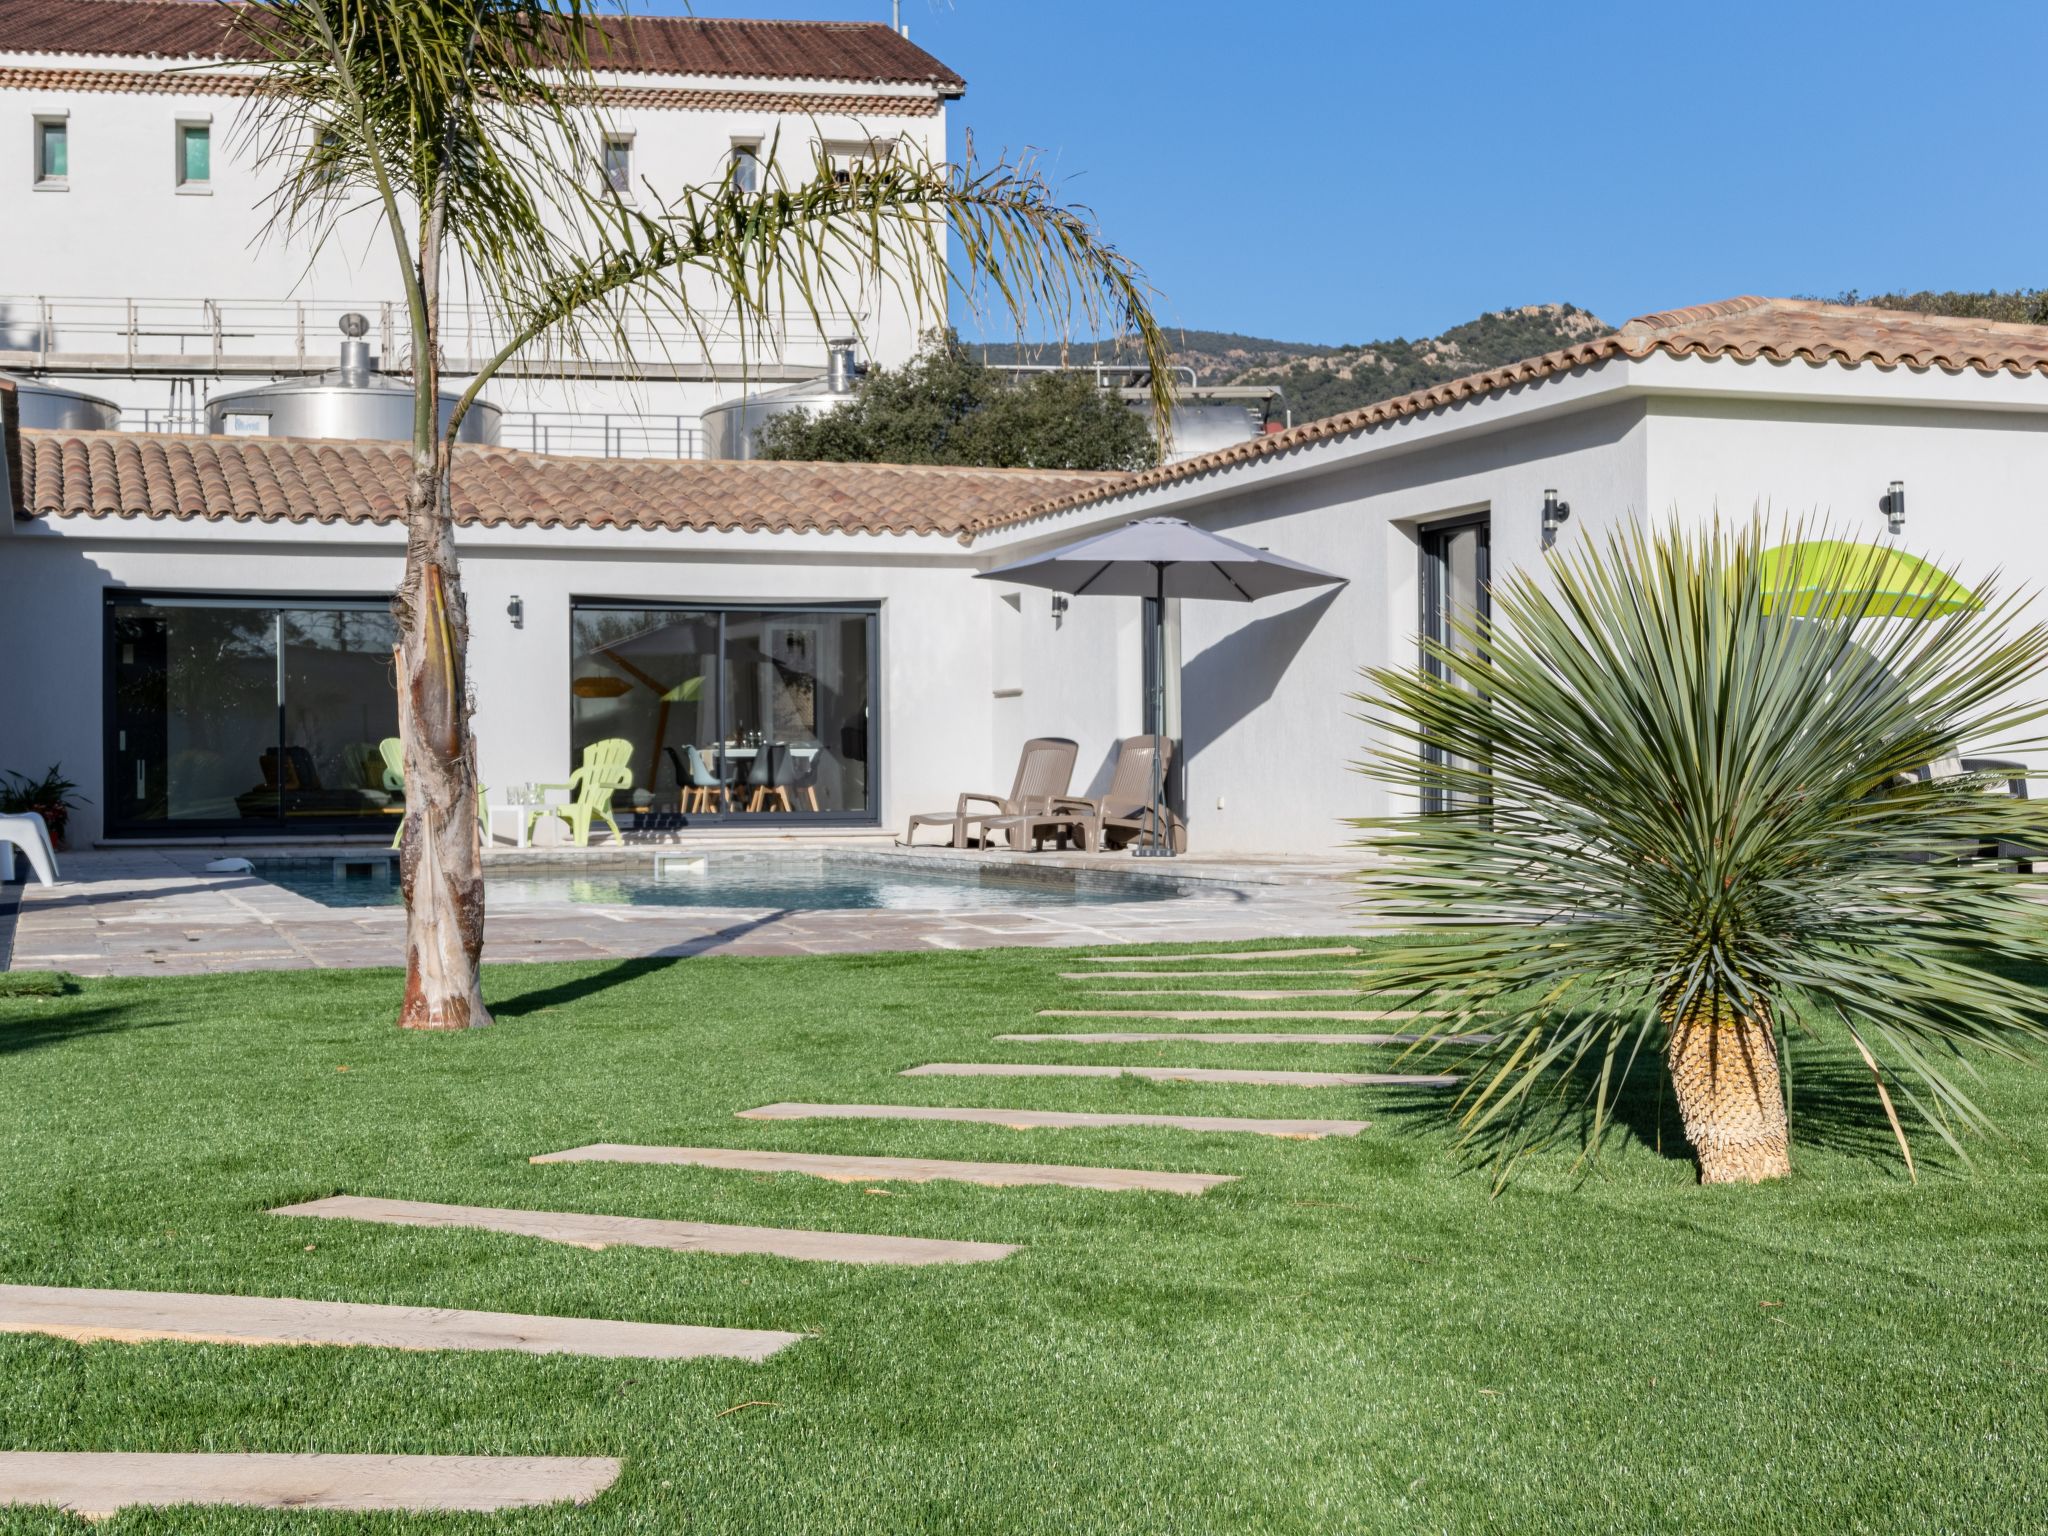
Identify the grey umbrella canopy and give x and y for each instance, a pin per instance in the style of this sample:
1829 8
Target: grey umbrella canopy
1134 561
1162 557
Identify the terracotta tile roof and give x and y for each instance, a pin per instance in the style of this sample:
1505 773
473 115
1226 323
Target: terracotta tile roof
667 45
1779 330
267 480
180 82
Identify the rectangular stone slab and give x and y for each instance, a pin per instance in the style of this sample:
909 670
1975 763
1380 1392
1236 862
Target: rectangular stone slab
97 1484
1239 994
1249 954
134 1317
910 1170
1273 1079
600 1232
1342 1015
1046 1119
1146 1037
1350 970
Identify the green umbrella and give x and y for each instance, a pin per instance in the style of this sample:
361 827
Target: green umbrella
1826 578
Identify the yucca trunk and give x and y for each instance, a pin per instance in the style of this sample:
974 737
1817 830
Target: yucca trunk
440 863
1724 1071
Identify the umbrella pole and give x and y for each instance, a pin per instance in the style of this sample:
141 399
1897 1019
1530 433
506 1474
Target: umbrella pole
1160 843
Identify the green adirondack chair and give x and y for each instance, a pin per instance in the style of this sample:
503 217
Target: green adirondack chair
392 750
606 769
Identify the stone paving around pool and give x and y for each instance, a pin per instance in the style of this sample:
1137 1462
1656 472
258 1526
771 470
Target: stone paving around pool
157 911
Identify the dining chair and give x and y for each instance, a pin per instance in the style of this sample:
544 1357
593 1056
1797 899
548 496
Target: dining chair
768 776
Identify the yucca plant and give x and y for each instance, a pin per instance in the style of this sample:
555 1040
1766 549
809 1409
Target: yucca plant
1669 819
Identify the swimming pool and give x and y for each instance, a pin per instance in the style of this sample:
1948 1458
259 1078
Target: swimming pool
797 882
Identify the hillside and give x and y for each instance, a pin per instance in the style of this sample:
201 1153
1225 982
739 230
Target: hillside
1322 380
2022 306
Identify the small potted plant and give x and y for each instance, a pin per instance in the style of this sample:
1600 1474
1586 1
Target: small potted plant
49 797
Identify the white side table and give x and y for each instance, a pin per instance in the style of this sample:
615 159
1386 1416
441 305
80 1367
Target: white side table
521 816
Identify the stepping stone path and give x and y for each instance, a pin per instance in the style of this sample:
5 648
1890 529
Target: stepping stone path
910 1170
1242 995
134 1317
1248 954
97 1484
600 1232
1187 1015
1146 1037
1184 1075
1043 1119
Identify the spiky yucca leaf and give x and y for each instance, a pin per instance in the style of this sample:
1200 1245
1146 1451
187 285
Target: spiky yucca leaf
1664 795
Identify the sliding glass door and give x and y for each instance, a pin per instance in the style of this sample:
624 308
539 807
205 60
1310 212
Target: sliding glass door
730 712
232 715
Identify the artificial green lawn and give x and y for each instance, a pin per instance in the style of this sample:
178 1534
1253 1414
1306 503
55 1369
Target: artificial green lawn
1354 1337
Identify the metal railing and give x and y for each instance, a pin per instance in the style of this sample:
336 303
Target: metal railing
579 434
602 434
220 336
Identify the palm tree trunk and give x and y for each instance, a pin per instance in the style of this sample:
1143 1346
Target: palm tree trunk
440 864
1724 1070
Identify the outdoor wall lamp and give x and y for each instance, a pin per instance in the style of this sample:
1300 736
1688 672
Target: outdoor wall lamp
1894 503
1555 513
1060 602
516 611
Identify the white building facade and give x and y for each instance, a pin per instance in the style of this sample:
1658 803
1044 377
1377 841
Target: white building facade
195 635
140 264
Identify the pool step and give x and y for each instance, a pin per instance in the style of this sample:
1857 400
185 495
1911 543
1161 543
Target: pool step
911 1170
1274 1079
135 1317
98 1484
1045 1119
582 1230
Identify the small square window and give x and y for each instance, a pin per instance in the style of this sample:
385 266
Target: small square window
618 164
195 154
746 167
53 152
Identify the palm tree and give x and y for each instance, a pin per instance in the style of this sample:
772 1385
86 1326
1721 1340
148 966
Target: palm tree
468 131
1680 823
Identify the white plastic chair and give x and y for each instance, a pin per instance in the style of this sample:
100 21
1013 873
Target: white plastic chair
28 833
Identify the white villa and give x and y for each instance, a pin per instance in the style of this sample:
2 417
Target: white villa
195 626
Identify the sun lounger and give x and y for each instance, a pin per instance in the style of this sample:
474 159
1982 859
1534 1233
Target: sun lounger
1045 768
1117 817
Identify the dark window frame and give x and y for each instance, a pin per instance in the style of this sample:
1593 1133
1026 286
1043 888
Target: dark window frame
114 827
870 814
1429 543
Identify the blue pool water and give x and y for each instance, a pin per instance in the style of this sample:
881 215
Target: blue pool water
808 883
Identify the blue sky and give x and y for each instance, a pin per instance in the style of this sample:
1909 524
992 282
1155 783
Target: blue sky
1346 170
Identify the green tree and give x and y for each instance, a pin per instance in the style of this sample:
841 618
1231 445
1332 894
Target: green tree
1685 826
945 406
470 131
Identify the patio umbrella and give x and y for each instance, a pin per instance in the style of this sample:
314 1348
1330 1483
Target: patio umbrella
1162 557
1826 578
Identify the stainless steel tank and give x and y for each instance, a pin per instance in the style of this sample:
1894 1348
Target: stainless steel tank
733 427
51 407
1202 427
353 401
